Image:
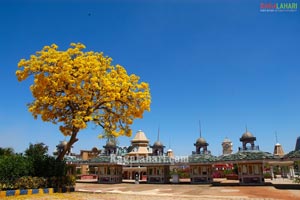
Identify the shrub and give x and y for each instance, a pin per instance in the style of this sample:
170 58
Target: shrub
267 175
28 182
34 170
297 180
13 167
62 181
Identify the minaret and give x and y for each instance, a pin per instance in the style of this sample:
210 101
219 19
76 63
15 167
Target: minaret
278 150
201 144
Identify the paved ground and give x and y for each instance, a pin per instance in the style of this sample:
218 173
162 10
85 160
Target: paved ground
227 190
131 191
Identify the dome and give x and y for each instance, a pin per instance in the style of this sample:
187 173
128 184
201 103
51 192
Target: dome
170 150
158 144
62 144
247 135
140 137
201 141
226 140
94 149
110 144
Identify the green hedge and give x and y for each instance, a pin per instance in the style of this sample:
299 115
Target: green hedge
31 172
12 168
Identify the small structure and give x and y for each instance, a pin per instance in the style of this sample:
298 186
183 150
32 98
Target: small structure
107 170
248 138
159 170
201 170
110 147
158 147
294 168
250 161
201 146
201 160
87 155
250 165
158 173
170 153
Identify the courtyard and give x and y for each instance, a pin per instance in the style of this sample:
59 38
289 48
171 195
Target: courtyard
276 189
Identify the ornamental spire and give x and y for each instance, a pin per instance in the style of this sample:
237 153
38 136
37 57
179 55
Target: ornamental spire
158 134
200 129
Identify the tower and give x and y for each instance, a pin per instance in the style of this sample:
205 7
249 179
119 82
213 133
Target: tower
278 150
246 138
110 147
201 143
297 147
227 146
140 145
158 147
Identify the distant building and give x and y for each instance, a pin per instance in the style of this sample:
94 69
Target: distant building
297 147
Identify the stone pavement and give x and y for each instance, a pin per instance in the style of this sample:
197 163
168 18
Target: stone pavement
225 190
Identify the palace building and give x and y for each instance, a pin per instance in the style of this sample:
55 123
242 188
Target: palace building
150 163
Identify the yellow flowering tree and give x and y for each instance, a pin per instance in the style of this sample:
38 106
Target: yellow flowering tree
73 88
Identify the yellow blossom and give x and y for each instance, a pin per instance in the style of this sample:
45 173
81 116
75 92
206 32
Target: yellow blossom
74 87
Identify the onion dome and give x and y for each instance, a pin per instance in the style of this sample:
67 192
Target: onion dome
110 144
62 144
201 141
158 144
247 135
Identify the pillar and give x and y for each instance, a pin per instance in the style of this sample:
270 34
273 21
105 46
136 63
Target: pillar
272 172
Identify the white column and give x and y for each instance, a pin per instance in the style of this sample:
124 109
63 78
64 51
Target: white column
292 172
272 172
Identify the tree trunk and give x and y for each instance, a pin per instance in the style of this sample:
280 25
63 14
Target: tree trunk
72 140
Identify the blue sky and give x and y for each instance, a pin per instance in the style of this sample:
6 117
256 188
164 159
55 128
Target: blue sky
222 62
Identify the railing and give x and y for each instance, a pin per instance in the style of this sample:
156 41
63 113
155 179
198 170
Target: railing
249 148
